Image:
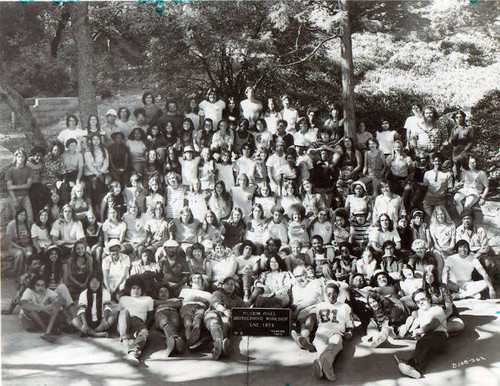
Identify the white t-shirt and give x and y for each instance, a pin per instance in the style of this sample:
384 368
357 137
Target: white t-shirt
333 318
305 296
435 312
77 134
461 269
48 297
190 295
213 110
189 170
291 116
116 269
386 140
139 306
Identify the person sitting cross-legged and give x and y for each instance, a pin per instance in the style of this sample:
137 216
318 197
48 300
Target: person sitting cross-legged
40 309
94 317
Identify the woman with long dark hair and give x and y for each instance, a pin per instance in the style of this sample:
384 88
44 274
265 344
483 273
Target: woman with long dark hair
94 316
96 168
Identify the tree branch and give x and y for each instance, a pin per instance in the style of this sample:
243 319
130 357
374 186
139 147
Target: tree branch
63 21
311 54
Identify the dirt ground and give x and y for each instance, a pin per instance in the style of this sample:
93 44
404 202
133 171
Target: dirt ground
472 359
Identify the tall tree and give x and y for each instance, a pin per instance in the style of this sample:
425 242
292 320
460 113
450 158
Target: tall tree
347 72
85 57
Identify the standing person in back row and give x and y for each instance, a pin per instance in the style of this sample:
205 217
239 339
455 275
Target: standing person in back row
212 107
251 108
289 113
18 179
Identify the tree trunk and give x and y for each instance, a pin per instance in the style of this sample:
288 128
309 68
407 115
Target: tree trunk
85 58
23 114
347 74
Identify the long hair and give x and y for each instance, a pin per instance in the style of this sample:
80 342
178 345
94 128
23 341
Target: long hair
73 213
37 218
101 146
98 125
90 303
147 93
225 194
127 111
435 287
435 222
53 267
18 212
20 151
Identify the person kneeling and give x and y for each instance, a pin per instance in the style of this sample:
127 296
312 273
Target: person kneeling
167 319
428 324
94 317
136 313
40 309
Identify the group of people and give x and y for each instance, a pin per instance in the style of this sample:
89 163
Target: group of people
175 219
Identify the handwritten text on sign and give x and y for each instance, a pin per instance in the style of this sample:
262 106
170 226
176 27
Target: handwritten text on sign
261 321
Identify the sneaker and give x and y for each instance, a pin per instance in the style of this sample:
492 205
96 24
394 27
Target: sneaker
317 369
379 339
170 346
48 338
194 336
408 370
217 351
305 344
200 343
180 345
226 347
327 368
132 359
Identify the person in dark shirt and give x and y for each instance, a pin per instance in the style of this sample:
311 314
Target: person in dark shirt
119 158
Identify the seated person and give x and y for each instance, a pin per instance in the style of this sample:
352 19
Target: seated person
218 317
386 315
272 288
34 268
321 258
172 265
94 317
457 273
440 295
40 309
306 293
428 324
296 258
167 319
136 314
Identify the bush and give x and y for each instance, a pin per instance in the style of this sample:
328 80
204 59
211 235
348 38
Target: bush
486 118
